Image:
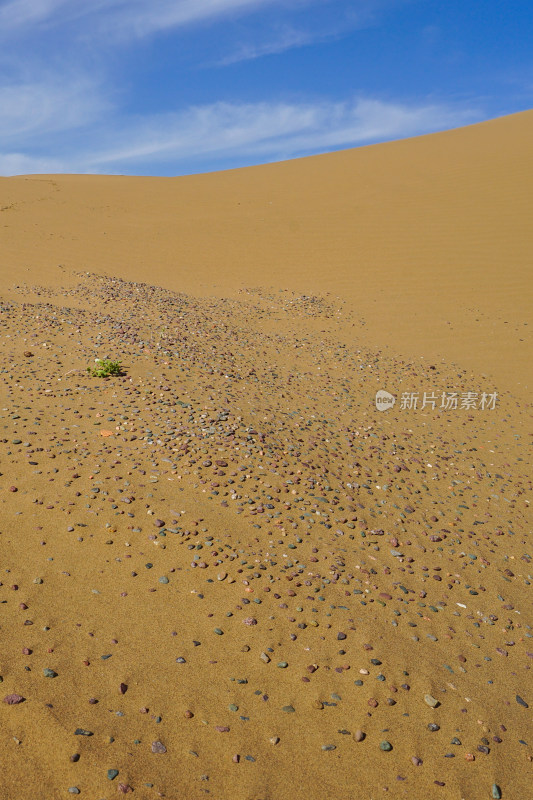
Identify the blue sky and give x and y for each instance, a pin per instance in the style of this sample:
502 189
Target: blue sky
170 87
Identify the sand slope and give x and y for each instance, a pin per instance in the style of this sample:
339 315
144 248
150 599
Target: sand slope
225 573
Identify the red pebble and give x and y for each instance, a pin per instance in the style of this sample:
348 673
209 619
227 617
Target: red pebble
13 699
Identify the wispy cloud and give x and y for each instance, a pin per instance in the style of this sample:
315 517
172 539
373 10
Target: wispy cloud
124 18
233 134
49 105
278 130
287 36
23 164
287 40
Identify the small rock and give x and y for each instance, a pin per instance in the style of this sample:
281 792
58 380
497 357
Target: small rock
158 747
431 701
14 699
49 673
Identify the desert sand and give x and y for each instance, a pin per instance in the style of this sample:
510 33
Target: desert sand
226 573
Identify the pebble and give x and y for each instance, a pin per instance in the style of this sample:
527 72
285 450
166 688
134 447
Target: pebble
431 701
13 699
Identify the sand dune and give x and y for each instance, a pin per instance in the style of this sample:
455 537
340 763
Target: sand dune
429 237
225 572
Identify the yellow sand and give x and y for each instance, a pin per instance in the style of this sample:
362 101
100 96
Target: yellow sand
288 295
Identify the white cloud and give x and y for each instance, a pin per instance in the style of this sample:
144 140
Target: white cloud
233 133
275 130
124 18
287 40
48 105
22 164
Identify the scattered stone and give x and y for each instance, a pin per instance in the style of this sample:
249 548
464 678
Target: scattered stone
13 699
431 701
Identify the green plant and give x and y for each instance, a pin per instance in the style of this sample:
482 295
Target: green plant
104 368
